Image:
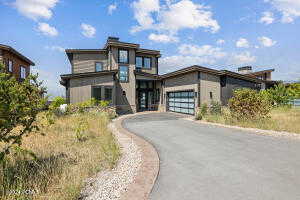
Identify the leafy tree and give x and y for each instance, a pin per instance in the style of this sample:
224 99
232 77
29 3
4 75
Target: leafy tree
279 95
20 104
294 90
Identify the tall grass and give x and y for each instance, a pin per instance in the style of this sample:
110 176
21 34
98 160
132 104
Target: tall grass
280 119
62 161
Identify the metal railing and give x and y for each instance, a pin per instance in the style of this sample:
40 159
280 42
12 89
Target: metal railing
295 102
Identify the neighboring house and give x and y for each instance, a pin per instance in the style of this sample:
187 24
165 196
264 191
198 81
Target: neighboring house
127 75
15 63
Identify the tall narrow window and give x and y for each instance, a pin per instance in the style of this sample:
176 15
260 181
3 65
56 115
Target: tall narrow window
123 73
96 92
98 67
211 95
22 72
108 94
139 62
10 65
123 56
147 63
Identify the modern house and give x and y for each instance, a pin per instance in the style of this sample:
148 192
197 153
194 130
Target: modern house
127 75
15 63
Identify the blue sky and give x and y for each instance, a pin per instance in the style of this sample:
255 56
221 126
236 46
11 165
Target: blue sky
214 33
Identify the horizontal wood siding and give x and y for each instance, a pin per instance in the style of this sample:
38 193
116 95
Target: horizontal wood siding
85 62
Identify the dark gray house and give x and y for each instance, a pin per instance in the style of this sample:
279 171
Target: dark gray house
127 75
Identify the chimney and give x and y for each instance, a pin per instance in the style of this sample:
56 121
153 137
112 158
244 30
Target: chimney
112 39
245 70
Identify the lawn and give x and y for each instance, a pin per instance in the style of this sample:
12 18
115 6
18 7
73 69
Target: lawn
74 148
279 119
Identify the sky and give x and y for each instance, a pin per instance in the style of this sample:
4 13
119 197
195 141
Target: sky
211 33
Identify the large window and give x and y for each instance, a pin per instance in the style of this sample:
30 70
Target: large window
96 92
98 67
143 62
123 73
10 65
139 62
123 56
22 72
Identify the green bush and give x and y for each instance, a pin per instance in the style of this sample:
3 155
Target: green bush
249 104
57 101
279 95
198 116
215 108
203 109
20 103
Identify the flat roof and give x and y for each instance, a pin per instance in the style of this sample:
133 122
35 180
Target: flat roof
12 50
87 74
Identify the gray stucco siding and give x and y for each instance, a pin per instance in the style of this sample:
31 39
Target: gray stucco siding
209 84
85 62
81 88
233 84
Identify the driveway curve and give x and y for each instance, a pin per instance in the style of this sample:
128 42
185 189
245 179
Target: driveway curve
199 161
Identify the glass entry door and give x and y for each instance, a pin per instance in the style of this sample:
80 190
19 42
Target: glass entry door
143 100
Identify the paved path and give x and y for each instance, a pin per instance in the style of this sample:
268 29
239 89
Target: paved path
214 163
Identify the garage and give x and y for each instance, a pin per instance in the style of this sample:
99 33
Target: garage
181 102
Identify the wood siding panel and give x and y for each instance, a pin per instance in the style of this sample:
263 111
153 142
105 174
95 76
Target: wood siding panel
209 83
85 62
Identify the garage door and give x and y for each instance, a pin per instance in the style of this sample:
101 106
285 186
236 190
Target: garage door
182 102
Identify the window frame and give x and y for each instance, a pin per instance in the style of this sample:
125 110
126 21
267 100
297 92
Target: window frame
22 67
12 65
127 56
101 66
111 94
122 81
143 62
92 92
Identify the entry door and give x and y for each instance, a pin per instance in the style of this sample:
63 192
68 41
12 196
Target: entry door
143 100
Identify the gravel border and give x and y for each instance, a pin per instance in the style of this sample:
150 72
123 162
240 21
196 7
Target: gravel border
135 173
280 134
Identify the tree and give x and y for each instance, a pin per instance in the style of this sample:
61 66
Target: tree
20 104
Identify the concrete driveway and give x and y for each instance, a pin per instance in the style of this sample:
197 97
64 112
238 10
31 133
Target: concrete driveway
207 162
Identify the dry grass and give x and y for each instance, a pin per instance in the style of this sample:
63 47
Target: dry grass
280 119
63 162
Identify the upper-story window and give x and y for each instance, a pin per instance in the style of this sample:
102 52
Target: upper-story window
147 63
143 62
98 67
123 56
139 62
10 66
22 72
123 73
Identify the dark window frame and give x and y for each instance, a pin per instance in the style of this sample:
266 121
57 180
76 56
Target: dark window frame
96 66
211 95
127 56
121 81
92 93
12 65
143 62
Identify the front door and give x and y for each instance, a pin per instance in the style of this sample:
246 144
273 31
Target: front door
143 100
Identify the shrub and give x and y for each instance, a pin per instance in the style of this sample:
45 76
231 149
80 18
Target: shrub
104 103
248 104
203 109
279 95
57 101
20 104
198 116
215 108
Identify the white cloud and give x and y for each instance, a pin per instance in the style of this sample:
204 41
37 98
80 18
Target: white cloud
47 30
88 30
55 48
267 18
290 9
192 55
143 10
36 9
242 58
162 38
266 42
242 43
111 8
220 41
172 17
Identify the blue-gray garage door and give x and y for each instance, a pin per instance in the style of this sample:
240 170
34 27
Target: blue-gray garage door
181 102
